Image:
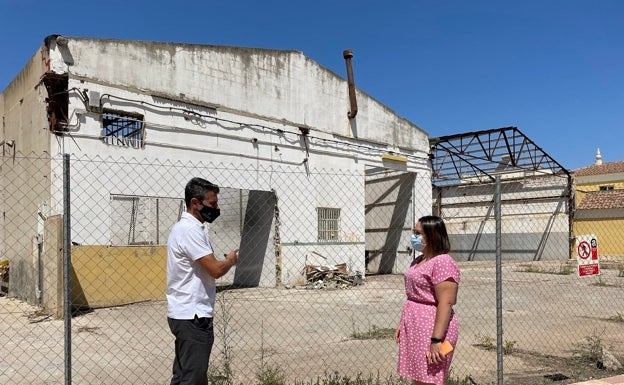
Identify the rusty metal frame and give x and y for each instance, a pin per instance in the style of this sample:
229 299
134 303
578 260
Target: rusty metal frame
477 157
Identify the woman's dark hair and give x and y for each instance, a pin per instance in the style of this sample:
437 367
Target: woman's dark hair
434 230
197 188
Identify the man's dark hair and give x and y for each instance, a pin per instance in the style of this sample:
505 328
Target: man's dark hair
434 230
197 188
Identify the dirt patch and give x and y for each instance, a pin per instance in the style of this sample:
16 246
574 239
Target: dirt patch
549 369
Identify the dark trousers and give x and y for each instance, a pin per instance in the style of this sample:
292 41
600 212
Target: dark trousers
193 343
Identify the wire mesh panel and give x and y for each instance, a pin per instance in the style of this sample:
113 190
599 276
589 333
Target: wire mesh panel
307 297
31 337
555 324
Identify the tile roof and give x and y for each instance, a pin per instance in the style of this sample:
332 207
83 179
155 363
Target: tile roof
600 169
597 200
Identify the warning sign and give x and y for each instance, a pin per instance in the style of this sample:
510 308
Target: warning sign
584 250
587 255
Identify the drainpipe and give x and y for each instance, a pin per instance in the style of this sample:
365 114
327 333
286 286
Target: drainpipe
348 54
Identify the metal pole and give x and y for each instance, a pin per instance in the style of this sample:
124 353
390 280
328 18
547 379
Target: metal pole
571 211
499 284
67 268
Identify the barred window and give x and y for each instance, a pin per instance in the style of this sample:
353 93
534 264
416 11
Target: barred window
121 128
606 188
137 220
328 224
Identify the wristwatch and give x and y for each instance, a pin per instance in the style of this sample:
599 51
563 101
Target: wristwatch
436 340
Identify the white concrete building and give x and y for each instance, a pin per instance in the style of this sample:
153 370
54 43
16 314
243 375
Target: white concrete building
273 128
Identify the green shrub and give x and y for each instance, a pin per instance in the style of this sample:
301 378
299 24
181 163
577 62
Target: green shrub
509 347
590 350
271 375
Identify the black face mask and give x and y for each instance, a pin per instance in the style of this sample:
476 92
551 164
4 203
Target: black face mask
209 214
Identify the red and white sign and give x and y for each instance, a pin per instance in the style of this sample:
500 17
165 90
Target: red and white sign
584 250
587 255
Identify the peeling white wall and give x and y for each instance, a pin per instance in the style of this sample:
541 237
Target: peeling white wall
281 85
237 107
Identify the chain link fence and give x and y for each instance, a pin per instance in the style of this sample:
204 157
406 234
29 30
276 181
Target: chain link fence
545 323
318 288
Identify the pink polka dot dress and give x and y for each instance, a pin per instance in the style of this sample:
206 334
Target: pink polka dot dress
418 317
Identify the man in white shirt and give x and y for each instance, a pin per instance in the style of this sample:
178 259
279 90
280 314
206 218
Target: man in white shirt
191 287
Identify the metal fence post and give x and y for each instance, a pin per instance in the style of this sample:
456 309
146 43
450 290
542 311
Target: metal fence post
67 268
499 284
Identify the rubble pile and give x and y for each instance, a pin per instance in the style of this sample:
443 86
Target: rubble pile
330 277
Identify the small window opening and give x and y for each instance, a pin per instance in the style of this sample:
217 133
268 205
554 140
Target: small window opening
328 224
124 129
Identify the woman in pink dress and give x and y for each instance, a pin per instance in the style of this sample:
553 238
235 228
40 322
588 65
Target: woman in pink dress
431 284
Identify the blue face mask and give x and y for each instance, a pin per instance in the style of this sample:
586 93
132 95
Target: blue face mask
417 243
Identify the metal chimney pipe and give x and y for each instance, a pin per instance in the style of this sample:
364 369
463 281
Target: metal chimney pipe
348 54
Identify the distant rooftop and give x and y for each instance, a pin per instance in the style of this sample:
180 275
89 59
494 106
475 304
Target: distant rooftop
597 200
600 169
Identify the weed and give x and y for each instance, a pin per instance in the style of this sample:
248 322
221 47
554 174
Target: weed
89 329
268 374
457 381
618 317
450 380
337 379
509 347
486 342
566 269
218 376
222 375
589 350
374 333
532 269
489 343
271 375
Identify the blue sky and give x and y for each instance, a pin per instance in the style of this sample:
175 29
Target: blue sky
552 68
